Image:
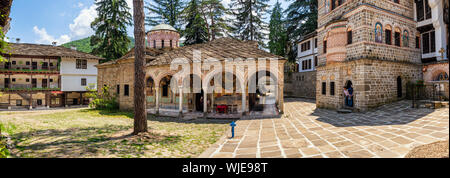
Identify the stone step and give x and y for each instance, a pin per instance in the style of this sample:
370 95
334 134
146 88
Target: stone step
344 111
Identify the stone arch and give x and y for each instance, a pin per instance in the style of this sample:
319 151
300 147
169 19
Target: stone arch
209 76
388 34
398 30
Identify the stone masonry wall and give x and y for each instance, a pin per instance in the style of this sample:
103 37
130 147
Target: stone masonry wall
300 84
374 82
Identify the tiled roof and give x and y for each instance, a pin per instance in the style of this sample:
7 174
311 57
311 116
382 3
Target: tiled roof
47 50
219 49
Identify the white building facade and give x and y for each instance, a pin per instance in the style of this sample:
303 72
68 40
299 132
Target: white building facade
307 53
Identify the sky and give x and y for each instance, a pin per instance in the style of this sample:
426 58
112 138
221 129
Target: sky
45 21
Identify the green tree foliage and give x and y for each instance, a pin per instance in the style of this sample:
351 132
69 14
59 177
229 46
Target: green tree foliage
213 12
102 100
3 43
164 11
301 20
248 23
277 35
110 39
84 45
195 31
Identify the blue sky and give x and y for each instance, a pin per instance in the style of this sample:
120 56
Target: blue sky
45 21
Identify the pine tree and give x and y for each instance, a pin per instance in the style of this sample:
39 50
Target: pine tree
213 12
249 16
165 11
110 39
277 35
140 115
301 20
195 31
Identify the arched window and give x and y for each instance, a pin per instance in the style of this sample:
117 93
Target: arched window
442 76
349 36
325 45
378 32
397 36
388 34
405 38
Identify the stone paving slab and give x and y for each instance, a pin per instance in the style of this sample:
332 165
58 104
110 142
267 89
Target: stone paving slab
304 131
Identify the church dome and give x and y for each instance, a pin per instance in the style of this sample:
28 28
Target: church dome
163 27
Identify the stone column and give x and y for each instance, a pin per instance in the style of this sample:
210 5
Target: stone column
244 100
157 99
281 98
205 102
180 115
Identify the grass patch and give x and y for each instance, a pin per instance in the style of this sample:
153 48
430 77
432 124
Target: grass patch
94 133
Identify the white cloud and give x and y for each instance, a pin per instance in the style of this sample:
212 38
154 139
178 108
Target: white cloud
45 38
80 5
81 26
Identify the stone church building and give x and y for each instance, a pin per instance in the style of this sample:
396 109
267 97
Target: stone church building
373 46
168 91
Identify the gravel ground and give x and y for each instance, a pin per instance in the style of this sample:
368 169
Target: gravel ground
432 150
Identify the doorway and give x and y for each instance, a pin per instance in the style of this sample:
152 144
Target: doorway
34 65
44 83
199 101
7 82
33 83
349 101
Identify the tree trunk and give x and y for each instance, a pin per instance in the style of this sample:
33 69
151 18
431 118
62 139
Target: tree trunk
140 116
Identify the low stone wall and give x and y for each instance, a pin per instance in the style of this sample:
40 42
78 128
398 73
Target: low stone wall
301 85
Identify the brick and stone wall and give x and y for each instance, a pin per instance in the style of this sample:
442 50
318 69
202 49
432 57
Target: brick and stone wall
300 84
374 82
170 38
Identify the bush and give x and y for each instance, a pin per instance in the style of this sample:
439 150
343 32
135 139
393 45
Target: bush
103 100
4 152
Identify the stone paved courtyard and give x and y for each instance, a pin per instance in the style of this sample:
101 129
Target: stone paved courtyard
306 132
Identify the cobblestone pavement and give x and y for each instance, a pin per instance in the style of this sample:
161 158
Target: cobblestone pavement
306 132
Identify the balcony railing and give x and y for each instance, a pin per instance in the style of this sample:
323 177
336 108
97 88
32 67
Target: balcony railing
29 68
33 87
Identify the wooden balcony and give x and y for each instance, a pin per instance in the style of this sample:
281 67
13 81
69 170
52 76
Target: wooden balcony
15 69
29 87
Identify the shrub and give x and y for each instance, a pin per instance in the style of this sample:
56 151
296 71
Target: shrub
103 100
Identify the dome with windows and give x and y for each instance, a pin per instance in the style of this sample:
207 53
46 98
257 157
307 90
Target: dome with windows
163 36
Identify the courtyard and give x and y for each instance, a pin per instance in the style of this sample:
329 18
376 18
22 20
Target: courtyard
307 132
86 133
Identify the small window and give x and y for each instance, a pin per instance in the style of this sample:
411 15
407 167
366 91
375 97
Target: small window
84 64
51 80
316 61
349 36
18 102
154 43
324 88
162 43
397 1
78 64
170 43
13 62
332 88
13 79
397 37
315 43
27 63
418 42
83 82
118 89
388 35
28 80
126 90
325 46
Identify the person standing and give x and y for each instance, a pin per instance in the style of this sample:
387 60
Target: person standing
346 95
350 98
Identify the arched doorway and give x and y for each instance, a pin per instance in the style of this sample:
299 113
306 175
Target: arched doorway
399 87
166 95
221 99
266 94
349 101
194 91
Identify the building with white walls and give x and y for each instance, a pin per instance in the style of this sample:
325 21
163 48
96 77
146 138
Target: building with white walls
46 76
